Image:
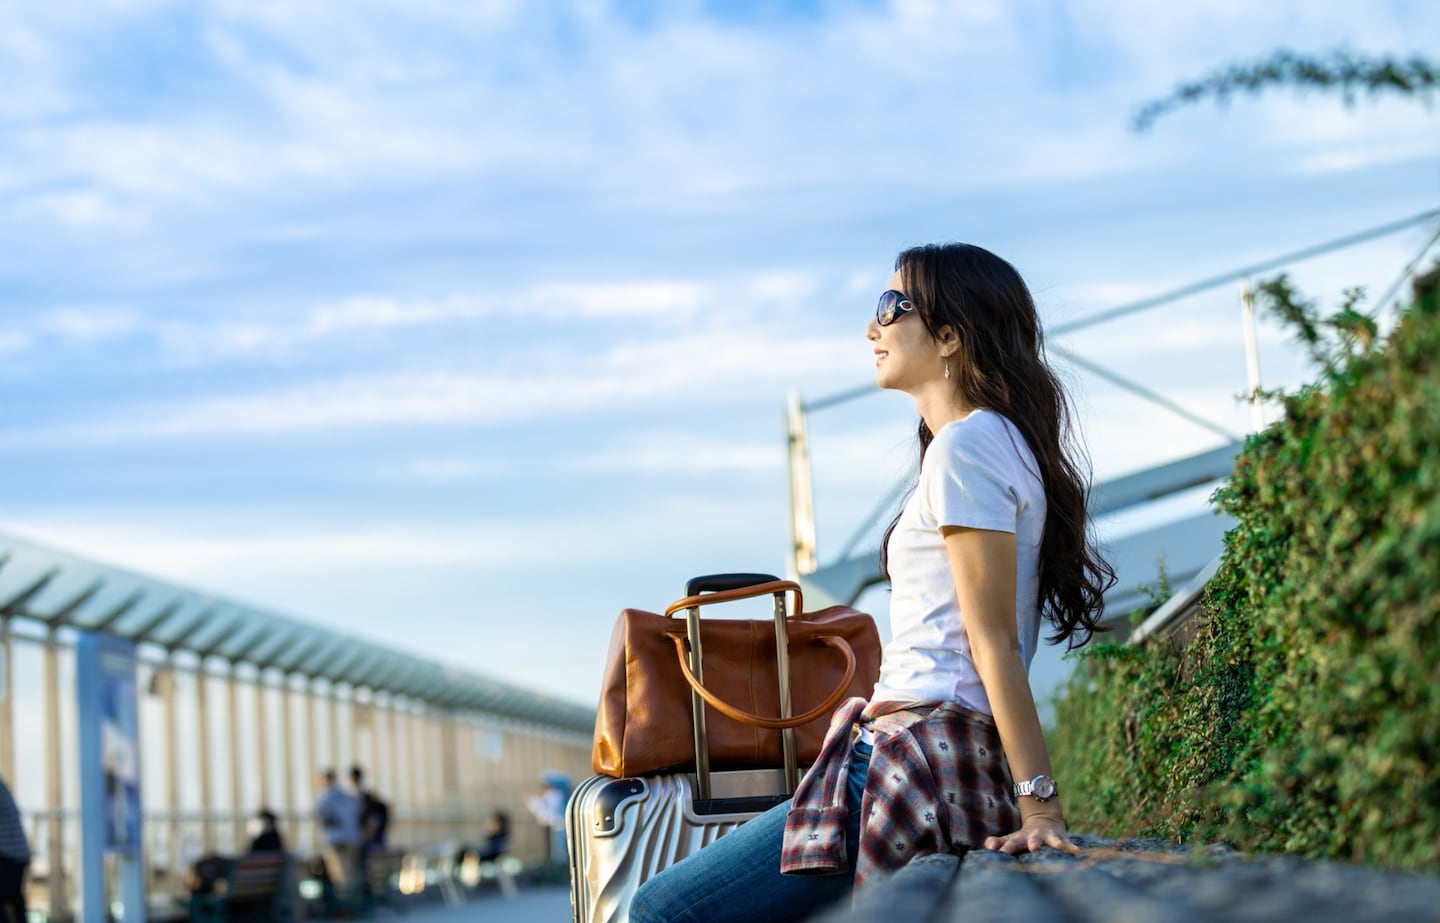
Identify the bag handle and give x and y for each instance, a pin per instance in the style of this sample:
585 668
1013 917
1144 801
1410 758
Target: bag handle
744 592
745 717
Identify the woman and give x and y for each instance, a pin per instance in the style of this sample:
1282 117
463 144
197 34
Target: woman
994 536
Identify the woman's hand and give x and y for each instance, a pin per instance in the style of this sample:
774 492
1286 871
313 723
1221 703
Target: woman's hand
1037 831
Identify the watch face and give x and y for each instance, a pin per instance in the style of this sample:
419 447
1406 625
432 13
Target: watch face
1044 787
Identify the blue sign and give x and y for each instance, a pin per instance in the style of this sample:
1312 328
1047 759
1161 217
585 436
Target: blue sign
109 771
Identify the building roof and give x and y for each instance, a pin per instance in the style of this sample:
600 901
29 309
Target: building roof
63 590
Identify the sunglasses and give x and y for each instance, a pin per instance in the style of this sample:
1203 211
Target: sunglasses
893 305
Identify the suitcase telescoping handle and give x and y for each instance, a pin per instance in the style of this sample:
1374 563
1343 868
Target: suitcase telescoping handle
729 587
712 583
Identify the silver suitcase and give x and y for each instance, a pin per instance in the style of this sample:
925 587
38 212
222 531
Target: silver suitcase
622 832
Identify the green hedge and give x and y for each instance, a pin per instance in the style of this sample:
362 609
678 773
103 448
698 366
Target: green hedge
1304 715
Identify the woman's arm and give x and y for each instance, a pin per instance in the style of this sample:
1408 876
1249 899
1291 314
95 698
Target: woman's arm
983 565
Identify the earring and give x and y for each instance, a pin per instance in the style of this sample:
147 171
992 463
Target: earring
947 369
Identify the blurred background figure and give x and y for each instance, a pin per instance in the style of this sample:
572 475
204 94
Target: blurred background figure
495 843
339 814
497 837
492 848
14 859
374 813
267 833
549 809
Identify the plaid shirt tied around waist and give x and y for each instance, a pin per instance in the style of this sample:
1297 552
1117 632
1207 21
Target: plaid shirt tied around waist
937 782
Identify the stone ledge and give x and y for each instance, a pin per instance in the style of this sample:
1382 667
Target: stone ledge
1140 881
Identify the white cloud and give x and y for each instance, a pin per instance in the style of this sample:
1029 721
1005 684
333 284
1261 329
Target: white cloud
675 301
13 341
90 324
374 312
347 97
195 553
81 210
683 455
1346 158
781 285
705 368
1149 338
439 470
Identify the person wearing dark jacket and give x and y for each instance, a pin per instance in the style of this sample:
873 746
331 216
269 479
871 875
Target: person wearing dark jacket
14 859
268 839
374 813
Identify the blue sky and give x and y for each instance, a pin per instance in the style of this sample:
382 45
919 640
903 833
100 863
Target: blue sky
462 326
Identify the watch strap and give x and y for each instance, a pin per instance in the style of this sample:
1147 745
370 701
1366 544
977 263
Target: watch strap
1028 786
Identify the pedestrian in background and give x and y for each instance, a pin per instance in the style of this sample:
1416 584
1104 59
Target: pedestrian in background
374 813
339 814
14 859
267 833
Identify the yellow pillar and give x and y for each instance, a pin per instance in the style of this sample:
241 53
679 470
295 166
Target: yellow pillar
332 702
288 751
202 743
314 767
175 873
55 834
237 762
262 741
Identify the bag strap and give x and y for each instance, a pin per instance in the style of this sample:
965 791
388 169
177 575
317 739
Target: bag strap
745 717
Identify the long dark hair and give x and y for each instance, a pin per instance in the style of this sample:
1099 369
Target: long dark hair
1000 366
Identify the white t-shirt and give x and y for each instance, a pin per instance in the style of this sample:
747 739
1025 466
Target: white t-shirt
978 473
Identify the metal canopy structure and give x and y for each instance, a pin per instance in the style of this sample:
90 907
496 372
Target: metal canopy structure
1188 545
63 591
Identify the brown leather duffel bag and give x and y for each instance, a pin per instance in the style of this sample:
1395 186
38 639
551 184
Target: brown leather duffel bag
645 721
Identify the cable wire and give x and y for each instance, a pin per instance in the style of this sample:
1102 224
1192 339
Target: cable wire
1141 391
1194 288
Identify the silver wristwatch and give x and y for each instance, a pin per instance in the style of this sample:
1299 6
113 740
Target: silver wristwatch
1041 788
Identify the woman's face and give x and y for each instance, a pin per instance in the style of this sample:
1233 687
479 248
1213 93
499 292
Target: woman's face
906 356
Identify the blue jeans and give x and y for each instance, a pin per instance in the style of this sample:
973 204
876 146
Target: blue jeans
738 878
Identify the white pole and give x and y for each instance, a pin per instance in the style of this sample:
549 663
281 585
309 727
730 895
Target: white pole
802 492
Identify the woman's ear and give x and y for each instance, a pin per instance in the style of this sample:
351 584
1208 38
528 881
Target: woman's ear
948 339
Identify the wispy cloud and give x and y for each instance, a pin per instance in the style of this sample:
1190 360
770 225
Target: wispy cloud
676 301
449 470
198 342
706 368
88 325
682 455
187 548
671 303
13 341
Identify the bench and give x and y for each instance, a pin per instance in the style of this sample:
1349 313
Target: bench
382 871
251 886
378 886
474 872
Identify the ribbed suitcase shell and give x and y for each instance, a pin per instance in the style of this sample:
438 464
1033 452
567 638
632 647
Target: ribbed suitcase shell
623 831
